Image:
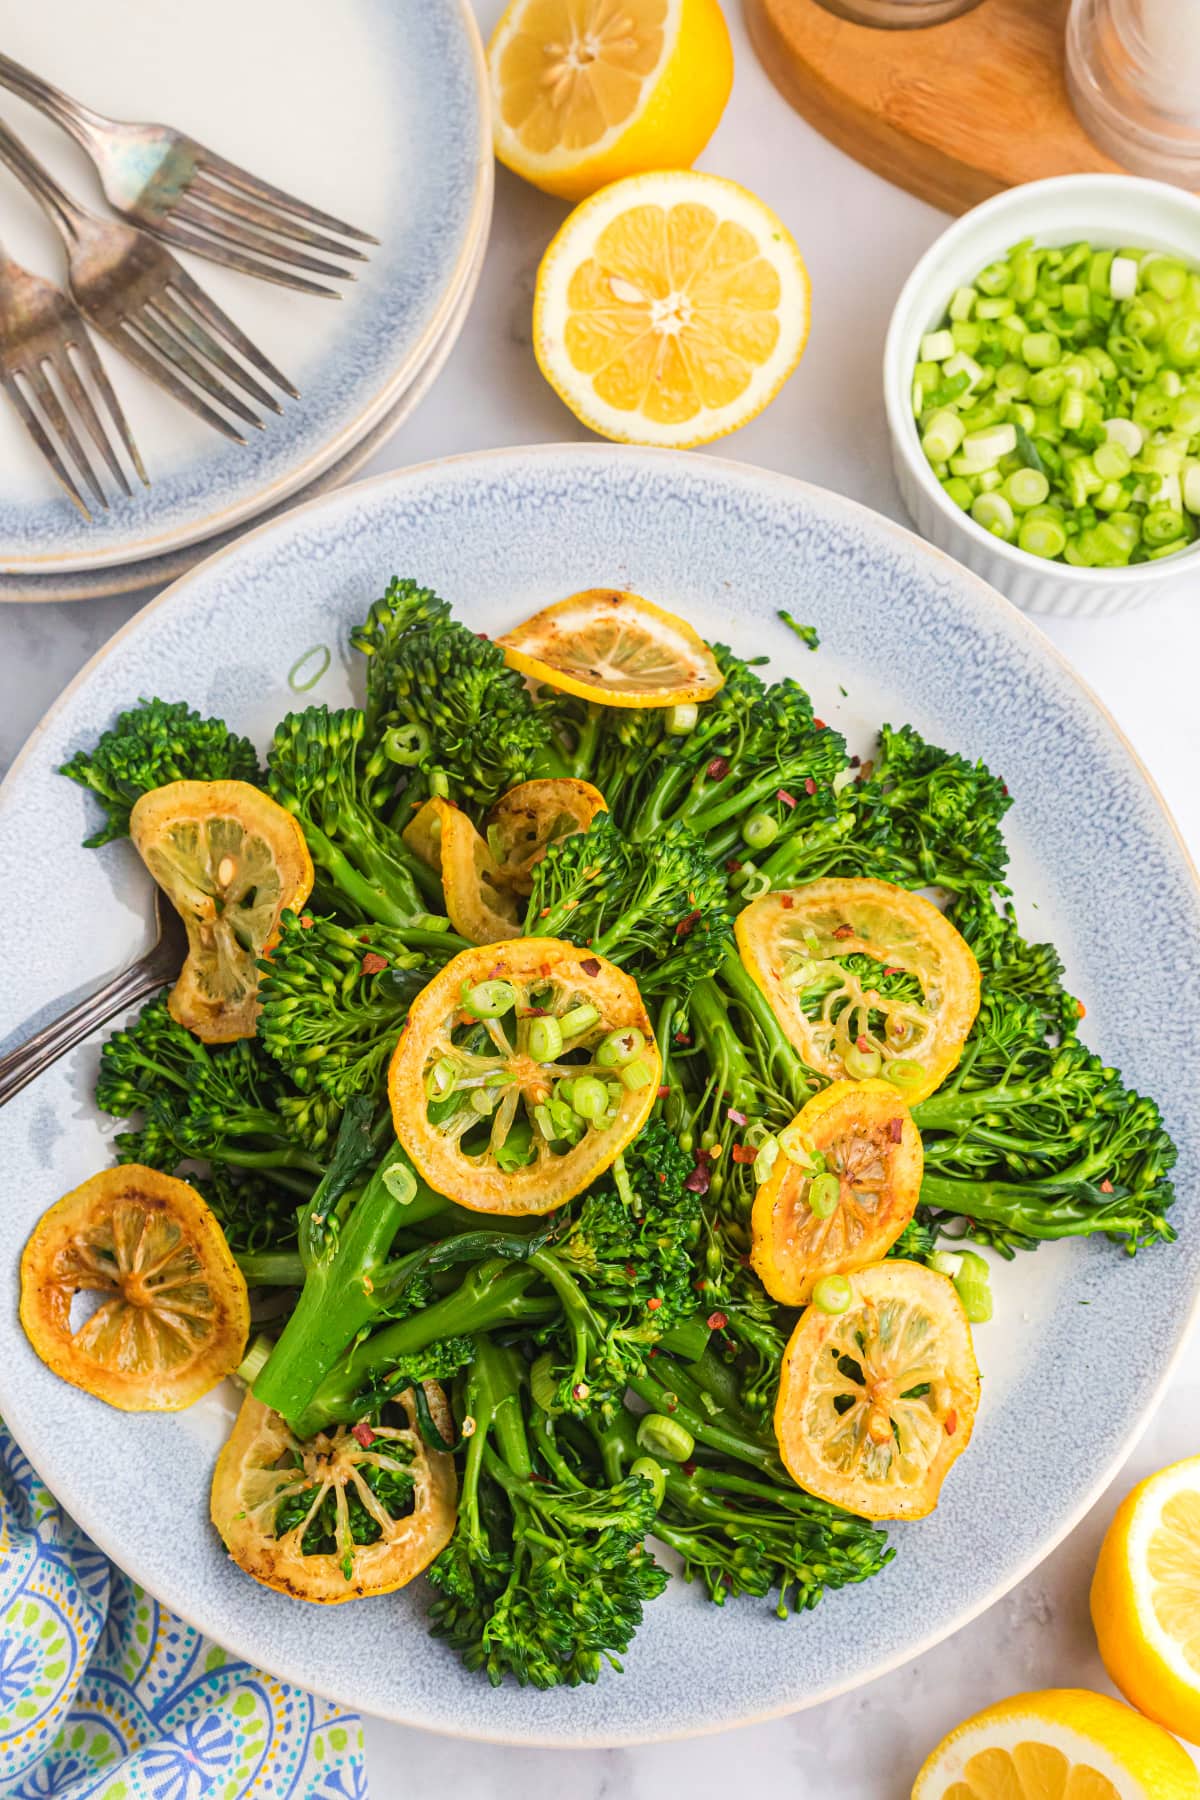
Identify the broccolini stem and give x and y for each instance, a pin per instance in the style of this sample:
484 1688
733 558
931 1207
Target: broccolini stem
1036 1213
711 1021
238 1157
717 1437
783 1058
272 1268
659 804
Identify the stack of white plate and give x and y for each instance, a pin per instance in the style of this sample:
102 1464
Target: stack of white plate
374 112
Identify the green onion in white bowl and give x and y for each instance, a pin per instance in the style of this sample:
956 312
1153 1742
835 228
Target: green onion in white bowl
1042 379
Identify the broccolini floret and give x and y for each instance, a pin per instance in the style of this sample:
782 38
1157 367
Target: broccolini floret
156 742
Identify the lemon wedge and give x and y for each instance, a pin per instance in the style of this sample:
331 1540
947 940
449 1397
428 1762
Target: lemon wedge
615 649
670 309
587 91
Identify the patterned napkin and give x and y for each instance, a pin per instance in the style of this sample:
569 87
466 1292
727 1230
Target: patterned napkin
103 1693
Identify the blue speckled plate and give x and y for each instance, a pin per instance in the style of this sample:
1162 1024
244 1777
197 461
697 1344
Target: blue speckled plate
1084 1337
376 111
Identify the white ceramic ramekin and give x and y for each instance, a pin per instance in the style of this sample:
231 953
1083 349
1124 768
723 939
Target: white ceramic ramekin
1107 210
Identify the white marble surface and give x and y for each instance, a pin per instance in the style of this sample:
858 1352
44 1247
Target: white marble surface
860 237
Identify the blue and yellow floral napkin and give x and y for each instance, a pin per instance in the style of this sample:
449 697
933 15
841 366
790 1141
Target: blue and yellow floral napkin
103 1693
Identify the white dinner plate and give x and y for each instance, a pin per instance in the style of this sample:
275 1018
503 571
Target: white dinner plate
371 109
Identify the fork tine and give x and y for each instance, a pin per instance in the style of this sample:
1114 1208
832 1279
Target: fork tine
262 190
232 231
216 252
34 427
211 313
86 352
52 406
81 400
152 325
130 345
206 192
207 347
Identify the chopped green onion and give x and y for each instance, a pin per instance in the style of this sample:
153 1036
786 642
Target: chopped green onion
310 681
651 1471
490 999
824 1192
254 1361
440 1079
545 1039
832 1294
760 830
664 1437
907 1076
542 1385
589 1097
945 1262
682 718
620 1047
636 1075
406 744
862 1065
799 1148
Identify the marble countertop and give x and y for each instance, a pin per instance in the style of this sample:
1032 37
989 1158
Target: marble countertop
860 237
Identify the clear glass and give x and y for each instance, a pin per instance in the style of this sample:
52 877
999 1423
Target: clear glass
1133 73
898 15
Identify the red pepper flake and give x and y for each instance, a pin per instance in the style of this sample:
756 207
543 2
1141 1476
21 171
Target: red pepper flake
697 1181
681 1037
1106 1186
891 969
580 1391
855 762
718 768
732 864
951 1424
844 931
716 1321
787 901
363 1434
895 1130
372 963
671 1401
533 1012
663 1092
687 925
653 1304
810 786
306 921
654 1350
483 635
862 1044
630 1270
662 1180
743 1153
744 1260
589 966
688 1468
1080 1009
820 725
699 1285
739 1118
782 794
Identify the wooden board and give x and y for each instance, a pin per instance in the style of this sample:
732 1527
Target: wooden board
953 112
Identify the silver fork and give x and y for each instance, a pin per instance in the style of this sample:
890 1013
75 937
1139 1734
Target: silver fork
160 964
145 303
179 189
42 334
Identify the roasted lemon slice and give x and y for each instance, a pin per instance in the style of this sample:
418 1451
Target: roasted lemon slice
866 979
875 1403
843 1195
614 648
173 1314
525 822
230 861
479 900
355 1511
523 1069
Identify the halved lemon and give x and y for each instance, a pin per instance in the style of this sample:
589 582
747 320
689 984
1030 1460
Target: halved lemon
354 1511
1146 1598
858 1140
586 91
865 978
231 862
173 1312
1059 1744
670 309
533 815
476 1080
615 649
876 1403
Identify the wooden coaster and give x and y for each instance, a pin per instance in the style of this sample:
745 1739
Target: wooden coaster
953 112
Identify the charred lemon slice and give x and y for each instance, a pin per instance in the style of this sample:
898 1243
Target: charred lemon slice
876 1403
615 648
230 861
866 979
530 817
172 1313
355 1511
523 1069
479 901
843 1191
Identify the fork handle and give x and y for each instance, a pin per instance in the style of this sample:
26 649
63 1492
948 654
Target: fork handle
67 215
72 115
35 1055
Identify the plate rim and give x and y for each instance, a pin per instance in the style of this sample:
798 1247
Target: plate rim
1187 1324
343 440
